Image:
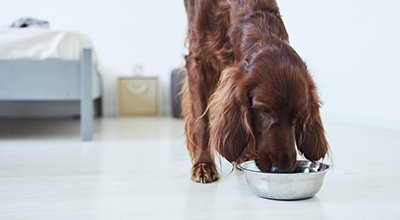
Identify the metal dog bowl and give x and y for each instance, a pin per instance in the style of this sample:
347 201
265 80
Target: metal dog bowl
304 182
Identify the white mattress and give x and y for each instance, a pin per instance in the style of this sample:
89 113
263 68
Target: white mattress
37 43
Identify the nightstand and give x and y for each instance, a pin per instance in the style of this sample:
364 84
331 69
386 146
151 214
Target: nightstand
138 96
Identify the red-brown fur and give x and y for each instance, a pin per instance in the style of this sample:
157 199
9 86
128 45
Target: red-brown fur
247 95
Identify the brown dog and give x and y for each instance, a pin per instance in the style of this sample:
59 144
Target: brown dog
248 94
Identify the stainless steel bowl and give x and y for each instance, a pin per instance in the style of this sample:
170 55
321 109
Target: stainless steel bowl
304 182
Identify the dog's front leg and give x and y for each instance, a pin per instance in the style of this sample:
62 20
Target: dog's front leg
194 105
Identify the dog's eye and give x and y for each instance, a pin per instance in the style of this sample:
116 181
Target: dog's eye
267 111
262 111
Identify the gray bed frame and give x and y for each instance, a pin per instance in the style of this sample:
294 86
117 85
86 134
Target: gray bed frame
51 80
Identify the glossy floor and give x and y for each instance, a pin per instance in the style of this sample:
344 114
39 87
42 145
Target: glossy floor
138 168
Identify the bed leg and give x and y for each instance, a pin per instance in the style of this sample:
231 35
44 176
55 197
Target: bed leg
86 95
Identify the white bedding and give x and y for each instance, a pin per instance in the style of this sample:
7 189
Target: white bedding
37 43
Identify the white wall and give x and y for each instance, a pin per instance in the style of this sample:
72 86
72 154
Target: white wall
350 46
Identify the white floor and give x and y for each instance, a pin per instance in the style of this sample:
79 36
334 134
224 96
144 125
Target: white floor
139 169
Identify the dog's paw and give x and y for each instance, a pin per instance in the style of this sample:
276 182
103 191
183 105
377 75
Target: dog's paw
204 173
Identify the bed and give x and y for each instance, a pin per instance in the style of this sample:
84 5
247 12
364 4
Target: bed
44 65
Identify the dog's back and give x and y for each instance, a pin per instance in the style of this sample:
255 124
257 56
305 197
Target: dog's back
223 31
253 24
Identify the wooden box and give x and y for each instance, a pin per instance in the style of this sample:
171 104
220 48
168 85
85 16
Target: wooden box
138 96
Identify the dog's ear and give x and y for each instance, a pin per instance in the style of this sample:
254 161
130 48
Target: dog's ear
230 120
310 133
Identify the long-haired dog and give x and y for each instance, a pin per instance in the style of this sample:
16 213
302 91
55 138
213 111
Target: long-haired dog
247 94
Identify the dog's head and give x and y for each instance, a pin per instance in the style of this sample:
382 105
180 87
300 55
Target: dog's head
267 105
